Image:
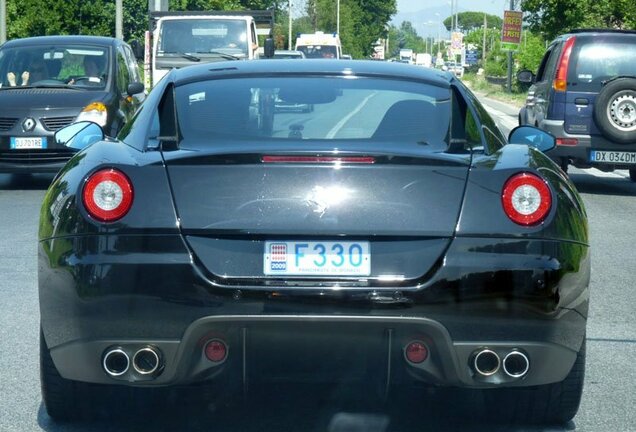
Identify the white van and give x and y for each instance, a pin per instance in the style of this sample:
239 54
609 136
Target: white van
319 45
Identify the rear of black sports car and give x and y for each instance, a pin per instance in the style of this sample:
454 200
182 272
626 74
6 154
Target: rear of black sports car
355 243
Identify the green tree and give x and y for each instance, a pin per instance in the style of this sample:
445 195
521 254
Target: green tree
553 17
471 20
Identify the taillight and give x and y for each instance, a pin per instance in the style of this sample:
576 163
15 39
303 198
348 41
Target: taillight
526 199
560 81
107 195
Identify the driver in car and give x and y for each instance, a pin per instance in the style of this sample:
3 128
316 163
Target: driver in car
92 70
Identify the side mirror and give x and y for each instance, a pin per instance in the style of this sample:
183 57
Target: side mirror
79 135
525 76
532 136
138 49
269 48
135 88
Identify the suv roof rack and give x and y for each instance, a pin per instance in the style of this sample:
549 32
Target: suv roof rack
601 30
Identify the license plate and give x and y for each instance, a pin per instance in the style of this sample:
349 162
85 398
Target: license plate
618 157
310 258
21 143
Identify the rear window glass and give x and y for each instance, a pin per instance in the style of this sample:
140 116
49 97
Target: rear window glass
598 61
313 108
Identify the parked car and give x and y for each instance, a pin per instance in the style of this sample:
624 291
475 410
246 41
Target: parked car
289 54
396 240
455 68
49 82
584 93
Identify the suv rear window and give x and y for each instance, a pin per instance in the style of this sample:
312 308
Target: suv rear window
596 60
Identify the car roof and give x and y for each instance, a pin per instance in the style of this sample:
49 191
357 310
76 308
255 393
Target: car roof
595 32
42 40
316 67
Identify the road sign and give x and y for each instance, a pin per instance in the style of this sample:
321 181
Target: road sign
457 39
471 57
511 32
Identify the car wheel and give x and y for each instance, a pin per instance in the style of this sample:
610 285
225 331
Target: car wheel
546 404
632 174
65 400
615 110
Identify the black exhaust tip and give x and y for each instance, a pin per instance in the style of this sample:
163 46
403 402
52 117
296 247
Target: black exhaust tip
486 362
116 362
516 364
146 361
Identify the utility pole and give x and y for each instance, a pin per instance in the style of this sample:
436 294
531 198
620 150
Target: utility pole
483 46
509 79
338 17
289 45
119 19
3 21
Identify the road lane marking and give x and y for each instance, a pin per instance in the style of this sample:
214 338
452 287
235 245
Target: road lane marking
334 130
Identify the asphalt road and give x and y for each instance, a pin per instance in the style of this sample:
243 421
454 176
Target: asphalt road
609 399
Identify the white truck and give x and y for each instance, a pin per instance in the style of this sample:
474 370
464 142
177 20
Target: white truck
184 38
423 59
406 55
319 45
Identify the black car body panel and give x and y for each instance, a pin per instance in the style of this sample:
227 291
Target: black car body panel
54 103
184 266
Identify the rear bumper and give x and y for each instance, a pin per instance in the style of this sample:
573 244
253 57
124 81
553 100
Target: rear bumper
99 292
579 154
315 348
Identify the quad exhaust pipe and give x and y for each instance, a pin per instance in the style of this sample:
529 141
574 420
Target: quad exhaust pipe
116 362
487 363
146 361
516 364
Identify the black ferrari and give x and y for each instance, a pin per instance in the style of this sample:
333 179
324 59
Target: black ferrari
392 235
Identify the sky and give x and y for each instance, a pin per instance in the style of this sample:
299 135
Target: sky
427 15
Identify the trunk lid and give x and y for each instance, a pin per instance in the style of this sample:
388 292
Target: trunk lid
405 206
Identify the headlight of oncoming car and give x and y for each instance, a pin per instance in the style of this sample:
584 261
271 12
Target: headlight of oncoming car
95 112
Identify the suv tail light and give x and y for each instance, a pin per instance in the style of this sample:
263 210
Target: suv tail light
107 195
560 81
526 199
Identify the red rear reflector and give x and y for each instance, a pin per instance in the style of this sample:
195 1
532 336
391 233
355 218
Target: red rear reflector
107 195
526 199
561 80
319 159
416 352
567 141
215 350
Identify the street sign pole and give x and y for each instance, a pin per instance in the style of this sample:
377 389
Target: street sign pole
509 80
3 21
511 37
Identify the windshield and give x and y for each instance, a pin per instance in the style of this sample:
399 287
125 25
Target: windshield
79 66
203 36
325 108
319 51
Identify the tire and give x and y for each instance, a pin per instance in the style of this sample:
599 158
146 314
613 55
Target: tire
555 403
632 174
615 110
65 400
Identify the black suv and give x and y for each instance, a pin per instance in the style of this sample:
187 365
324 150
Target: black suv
584 93
49 82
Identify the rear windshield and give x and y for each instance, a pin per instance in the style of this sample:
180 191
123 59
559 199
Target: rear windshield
313 108
597 60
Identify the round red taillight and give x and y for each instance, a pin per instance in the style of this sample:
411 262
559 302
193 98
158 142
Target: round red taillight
526 199
107 195
416 352
215 350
